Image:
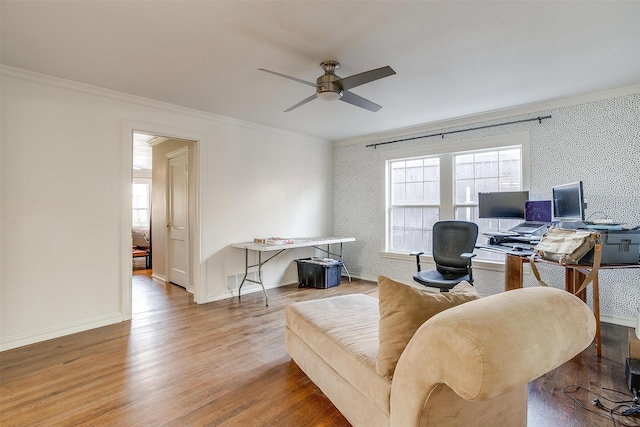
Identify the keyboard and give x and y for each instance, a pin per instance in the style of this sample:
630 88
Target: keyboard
512 248
517 246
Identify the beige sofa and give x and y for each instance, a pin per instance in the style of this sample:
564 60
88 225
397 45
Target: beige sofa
468 365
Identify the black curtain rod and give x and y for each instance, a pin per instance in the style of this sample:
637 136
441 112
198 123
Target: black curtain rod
442 134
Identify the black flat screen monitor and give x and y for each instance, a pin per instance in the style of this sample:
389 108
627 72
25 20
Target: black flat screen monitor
502 204
568 202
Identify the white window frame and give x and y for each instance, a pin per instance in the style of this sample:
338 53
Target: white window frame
147 182
446 150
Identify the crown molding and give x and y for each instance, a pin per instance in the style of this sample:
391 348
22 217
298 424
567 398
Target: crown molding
44 79
156 140
491 115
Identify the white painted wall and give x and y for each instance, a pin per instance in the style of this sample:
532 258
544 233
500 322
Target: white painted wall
63 157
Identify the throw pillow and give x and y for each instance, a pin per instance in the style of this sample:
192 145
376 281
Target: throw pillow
403 309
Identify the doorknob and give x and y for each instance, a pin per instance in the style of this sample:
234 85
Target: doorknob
168 225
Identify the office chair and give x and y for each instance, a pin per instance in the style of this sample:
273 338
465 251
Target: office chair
453 245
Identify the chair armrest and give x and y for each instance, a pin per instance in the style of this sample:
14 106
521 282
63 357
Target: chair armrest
489 347
417 255
468 256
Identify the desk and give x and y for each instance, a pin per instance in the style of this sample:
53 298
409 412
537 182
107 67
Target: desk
146 253
574 277
315 242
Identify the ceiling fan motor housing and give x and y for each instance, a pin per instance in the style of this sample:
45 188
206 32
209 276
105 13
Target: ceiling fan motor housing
327 88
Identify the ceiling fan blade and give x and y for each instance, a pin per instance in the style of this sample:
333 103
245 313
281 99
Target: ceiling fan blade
304 101
366 77
359 101
289 77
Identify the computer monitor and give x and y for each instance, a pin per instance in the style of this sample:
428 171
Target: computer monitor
568 202
502 204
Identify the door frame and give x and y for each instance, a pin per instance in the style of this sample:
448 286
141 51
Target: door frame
197 268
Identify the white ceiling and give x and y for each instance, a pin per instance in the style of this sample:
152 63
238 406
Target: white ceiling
452 58
142 151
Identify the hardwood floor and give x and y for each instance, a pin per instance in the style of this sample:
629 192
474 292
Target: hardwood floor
177 363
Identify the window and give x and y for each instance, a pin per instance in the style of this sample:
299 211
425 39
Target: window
414 202
445 185
141 204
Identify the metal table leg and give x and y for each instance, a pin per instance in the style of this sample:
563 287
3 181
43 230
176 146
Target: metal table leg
259 265
246 272
343 265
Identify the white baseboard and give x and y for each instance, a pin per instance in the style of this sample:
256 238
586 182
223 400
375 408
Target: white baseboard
159 277
248 289
59 331
620 321
364 277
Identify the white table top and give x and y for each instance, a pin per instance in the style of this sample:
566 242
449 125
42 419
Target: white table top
301 242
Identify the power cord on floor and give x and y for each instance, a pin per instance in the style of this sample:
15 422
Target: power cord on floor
627 407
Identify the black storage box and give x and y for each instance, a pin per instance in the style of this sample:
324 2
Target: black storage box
618 247
319 272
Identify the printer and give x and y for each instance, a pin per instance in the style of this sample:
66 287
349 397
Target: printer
618 247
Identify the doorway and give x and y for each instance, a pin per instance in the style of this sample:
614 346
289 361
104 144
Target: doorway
157 145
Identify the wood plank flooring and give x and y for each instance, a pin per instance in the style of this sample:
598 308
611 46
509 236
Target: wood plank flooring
177 363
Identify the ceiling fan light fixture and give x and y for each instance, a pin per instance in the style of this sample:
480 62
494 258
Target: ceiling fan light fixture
330 95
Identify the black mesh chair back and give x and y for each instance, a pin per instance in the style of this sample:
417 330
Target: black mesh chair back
450 240
453 245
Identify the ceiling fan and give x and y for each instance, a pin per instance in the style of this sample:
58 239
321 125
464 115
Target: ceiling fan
331 87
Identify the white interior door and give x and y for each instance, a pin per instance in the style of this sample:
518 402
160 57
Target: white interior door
178 218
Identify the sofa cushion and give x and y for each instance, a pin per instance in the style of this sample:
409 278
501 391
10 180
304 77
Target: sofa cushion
403 309
343 331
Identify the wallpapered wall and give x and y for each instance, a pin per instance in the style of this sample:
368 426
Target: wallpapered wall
598 143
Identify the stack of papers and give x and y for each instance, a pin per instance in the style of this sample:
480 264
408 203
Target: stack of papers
273 241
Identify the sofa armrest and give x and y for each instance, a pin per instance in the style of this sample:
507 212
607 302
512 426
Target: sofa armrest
489 347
